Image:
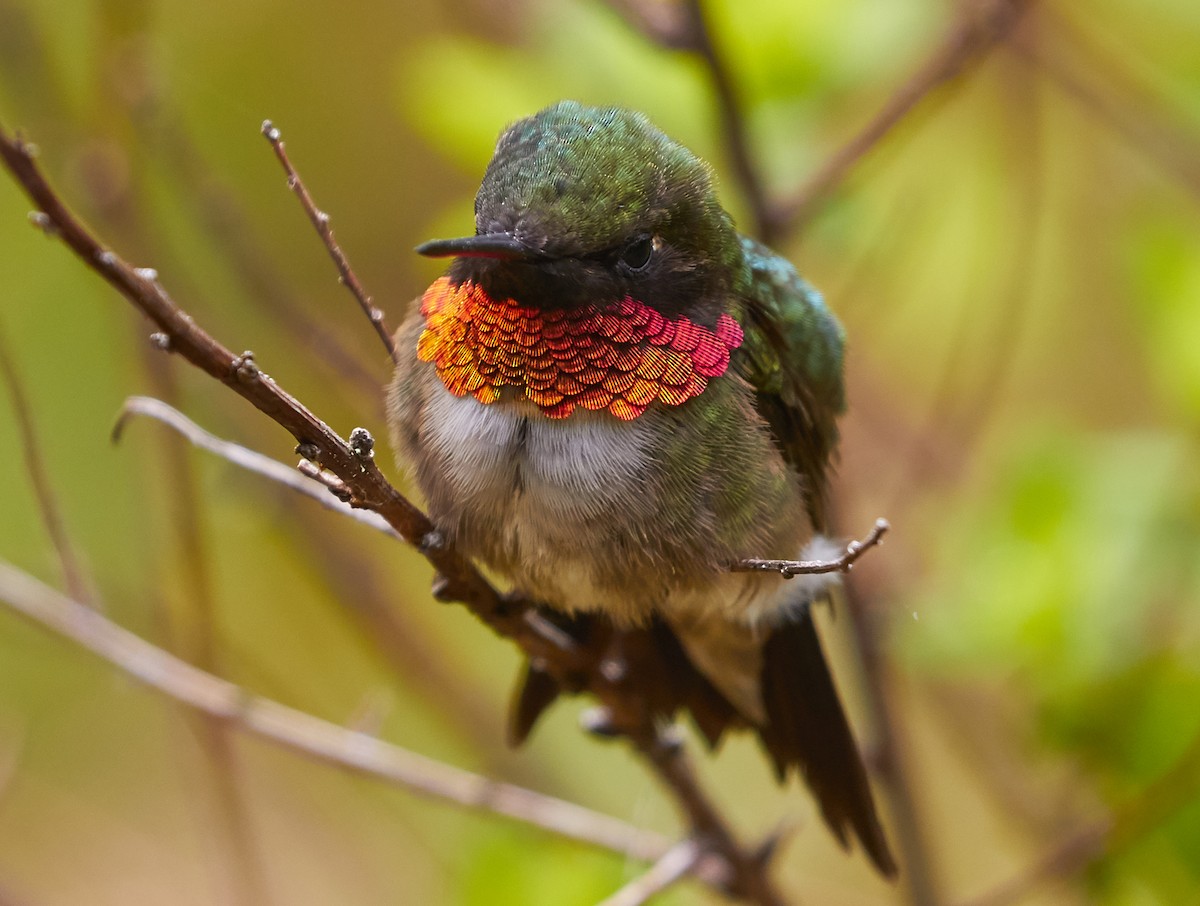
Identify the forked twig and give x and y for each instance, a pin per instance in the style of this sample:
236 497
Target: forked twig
790 568
675 865
213 205
981 25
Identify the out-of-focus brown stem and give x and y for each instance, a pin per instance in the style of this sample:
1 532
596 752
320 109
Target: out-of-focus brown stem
733 122
72 569
887 758
1170 792
981 25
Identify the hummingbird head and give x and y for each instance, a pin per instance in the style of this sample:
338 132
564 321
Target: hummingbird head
599 276
587 206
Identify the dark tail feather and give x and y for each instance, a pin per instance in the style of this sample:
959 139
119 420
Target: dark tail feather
657 667
536 692
807 730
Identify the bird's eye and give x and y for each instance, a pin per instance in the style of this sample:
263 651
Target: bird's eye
636 255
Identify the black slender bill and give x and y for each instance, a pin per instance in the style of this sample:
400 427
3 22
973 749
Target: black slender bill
488 245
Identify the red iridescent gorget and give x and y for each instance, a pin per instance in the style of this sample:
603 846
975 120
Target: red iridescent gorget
620 359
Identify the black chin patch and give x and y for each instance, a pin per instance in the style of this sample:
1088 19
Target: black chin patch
560 283
669 284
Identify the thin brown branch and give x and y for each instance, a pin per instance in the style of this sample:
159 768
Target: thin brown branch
308 735
733 123
889 755
675 865
1115 101
790 568
190 631
179 333
981 25
351 471
12 747
320 220
684 27
244 458
664 22
217 210
1172 791
9 898
1065 858
73 573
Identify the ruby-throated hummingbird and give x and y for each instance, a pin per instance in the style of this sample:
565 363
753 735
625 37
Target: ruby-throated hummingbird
609 398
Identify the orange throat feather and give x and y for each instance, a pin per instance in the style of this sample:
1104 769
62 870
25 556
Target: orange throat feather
620 359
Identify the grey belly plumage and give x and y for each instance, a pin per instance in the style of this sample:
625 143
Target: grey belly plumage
628 518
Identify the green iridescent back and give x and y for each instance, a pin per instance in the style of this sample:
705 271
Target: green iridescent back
792 354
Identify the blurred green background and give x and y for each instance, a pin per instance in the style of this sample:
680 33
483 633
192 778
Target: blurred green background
1018 269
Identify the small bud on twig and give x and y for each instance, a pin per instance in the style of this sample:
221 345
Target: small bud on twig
244 367
599 722
42 221
362 444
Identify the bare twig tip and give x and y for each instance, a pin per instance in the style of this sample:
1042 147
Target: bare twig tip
42 221
843 564
118 428
598 721
670 740
320 221
440 589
